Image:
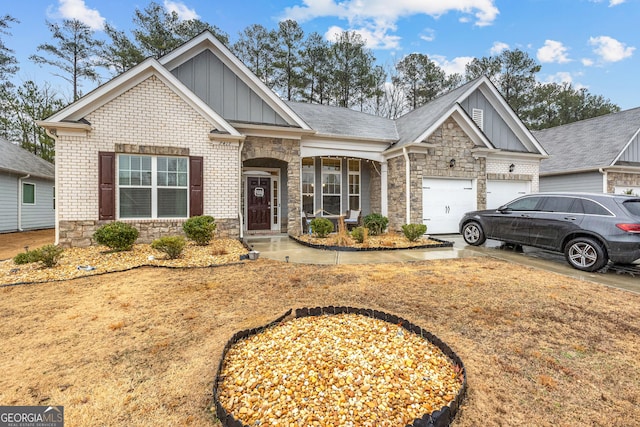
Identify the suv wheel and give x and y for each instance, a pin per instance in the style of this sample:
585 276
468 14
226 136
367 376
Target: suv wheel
473 234
585 254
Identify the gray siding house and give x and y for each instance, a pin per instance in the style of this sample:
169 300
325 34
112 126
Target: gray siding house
26 190
196 132
600 155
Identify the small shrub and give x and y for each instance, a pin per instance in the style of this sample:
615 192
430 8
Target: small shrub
359 234
170 245
26 257
321 227
117 236
49 255
376 223
414 231
200 229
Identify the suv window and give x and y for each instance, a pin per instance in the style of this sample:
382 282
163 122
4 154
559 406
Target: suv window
559 204
633 206
524 204
592 208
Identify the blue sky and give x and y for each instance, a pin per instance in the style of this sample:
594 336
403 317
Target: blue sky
590 43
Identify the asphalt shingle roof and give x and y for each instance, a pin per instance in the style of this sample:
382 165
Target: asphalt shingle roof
588 144
413 124
17 160
329 120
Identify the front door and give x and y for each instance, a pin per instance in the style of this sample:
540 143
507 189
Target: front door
259 203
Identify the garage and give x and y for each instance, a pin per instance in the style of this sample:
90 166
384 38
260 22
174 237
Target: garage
501 192
444 202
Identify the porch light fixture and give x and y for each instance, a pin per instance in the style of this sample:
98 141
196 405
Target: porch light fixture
512 167
452 163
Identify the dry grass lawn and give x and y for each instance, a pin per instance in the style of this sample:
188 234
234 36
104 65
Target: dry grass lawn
141 347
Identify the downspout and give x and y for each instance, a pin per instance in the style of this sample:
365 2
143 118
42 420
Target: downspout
27 176
240 216
407 171
604 179
55 195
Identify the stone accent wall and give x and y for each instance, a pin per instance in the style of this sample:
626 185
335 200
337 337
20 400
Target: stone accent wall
618 179
288 151
374 192
80 233
451 142
147 115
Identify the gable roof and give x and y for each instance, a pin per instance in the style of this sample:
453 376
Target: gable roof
344 122
15 159
72 116
207 41
417 125
588 144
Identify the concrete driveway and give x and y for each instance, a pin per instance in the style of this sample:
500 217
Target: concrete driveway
282 248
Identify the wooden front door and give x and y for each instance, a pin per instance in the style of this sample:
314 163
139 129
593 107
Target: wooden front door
259 203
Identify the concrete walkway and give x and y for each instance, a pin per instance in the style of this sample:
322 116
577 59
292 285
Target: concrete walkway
282 248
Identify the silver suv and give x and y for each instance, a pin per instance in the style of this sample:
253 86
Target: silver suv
590 229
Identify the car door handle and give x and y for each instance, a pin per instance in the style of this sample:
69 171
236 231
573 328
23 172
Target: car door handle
570 218
524 216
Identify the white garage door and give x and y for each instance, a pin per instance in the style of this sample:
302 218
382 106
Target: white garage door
444 202
501 192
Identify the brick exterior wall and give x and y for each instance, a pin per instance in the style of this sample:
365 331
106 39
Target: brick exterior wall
149 114
288 151
522 171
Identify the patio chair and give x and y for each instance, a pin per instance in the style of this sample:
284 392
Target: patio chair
352 219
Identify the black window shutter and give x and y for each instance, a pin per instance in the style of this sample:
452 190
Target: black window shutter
196 195
107 185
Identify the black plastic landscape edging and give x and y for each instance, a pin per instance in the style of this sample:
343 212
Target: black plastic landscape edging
438 418
440 244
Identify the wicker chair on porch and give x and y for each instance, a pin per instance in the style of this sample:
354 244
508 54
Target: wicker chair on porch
352 219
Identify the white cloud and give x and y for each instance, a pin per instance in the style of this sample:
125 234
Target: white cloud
378 18
616 2
610 49
498 47
428 34
587 62
373 38
564 77
183 12
553 51
456 65
76 9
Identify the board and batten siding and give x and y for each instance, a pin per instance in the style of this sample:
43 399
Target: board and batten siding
498 132
217 85
632 153
591 182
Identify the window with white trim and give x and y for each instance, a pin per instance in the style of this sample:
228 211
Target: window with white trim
331 186
153 186
354 184
308 184
28 193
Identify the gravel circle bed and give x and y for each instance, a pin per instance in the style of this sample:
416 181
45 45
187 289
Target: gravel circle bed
328 370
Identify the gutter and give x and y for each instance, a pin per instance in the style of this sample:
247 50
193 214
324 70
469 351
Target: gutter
240 216
20 180
407 171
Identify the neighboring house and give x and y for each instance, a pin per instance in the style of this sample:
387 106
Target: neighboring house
27 200
600 155
195 132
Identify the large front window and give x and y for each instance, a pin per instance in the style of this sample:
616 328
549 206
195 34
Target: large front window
153 187
308 183
331 186
354 184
